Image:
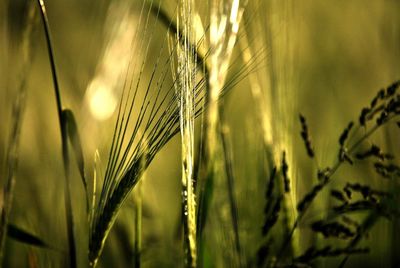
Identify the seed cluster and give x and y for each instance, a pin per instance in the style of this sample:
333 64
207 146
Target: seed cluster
374 151
387 171
306 136
332 229
285 169
306 201
354 197
272 206
271 213
384 105
343 154
370 200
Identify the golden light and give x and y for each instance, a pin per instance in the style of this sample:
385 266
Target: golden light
102 100
103 91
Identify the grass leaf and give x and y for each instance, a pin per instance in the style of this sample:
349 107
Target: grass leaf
18 234
73 135
64 138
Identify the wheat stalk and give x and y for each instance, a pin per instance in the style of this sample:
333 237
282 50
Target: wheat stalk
157 118
185 89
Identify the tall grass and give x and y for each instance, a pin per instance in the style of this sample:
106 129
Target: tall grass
239 194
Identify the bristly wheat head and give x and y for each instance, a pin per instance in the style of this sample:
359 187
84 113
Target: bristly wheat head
185 90
152 115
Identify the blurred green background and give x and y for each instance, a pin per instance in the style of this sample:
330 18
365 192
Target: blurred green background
324 59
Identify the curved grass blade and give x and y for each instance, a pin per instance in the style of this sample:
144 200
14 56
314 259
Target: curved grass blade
64 137
73 135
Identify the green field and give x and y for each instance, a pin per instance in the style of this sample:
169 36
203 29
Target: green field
188 133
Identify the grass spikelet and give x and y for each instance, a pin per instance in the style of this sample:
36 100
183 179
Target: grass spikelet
306 136
345 134
271 214
388 112
332 229
285 169
309 198
271 186
374 151
387 171
338 195
366 225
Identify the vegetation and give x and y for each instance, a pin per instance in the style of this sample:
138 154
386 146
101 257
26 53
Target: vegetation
223 133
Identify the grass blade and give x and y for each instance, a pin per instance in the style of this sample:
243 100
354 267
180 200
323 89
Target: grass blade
64 138
23 236
227 150
73 135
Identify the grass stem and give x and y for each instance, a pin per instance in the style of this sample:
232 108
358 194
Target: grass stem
64 138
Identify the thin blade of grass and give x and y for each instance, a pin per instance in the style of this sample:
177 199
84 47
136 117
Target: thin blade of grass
64 137
227 150
26 237
73 134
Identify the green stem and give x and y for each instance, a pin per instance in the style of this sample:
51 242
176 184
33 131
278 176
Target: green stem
138 226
